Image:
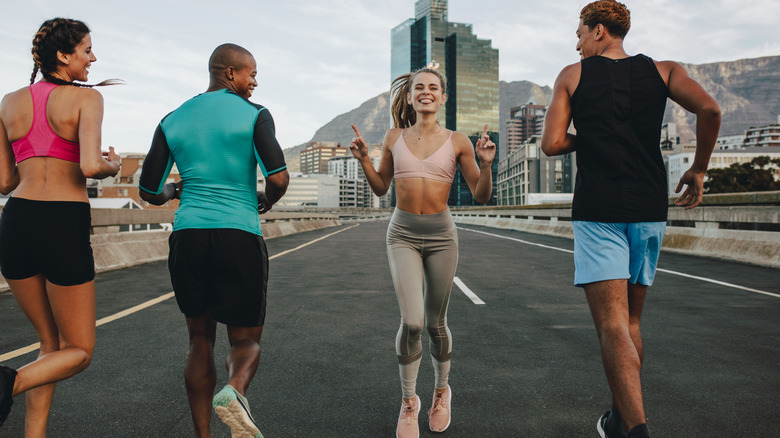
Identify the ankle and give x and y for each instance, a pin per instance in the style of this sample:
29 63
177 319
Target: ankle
640 431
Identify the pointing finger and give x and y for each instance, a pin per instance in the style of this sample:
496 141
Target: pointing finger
354 128
484 131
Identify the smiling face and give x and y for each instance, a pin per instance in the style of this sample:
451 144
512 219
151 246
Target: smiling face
426 93
76 65
244 76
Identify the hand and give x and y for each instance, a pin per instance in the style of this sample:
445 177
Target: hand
113 159
178 186
358 146
486 149
691 197
263 204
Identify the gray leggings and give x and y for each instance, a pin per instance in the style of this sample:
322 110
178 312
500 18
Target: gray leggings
423 254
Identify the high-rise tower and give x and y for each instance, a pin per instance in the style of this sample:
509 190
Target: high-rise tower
469 63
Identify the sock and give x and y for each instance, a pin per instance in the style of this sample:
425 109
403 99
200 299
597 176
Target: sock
615 422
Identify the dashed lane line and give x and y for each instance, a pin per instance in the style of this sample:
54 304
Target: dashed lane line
152 302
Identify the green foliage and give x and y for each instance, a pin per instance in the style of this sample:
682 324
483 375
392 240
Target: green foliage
759 175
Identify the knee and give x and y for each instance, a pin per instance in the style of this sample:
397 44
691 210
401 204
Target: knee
85 358
413 330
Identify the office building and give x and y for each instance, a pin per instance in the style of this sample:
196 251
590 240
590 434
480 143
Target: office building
527 176
470 65
314 159
524 122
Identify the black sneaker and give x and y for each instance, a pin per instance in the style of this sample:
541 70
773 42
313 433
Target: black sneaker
604 431
7 379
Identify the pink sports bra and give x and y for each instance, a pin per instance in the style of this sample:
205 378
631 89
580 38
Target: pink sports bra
440 166
41 140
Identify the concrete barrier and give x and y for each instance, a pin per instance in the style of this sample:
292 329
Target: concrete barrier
113 250
743 227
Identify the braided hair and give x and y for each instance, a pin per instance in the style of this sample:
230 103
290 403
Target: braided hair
63 35
403 114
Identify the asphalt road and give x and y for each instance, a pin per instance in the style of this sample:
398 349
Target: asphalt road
525 364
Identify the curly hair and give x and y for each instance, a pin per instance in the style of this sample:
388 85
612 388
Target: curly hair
403 114
58 35
611 14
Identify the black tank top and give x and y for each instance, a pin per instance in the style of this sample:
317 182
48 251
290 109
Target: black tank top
618 108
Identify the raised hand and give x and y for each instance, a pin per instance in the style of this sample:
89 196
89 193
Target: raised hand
486 149
358 146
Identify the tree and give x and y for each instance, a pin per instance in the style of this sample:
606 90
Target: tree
758 175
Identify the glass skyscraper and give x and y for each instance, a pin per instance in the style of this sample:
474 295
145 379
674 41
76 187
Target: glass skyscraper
470 65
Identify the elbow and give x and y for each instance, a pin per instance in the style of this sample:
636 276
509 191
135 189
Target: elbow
550 147
91 171
8 185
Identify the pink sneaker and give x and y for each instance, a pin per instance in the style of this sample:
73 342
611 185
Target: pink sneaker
440 413
407 419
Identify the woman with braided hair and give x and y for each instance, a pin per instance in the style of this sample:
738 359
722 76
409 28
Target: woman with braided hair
49 145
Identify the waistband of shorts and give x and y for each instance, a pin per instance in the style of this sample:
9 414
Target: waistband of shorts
422 223
55 206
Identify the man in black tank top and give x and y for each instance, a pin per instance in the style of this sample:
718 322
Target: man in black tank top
617 102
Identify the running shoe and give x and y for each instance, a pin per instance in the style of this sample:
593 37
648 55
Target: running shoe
440 413
233 409
407 419
7 379
601 427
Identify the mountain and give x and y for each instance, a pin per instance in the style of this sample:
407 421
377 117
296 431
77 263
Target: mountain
372 118
747 90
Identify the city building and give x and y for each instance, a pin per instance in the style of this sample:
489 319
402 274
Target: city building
524 122
314 158
763 136
470 65
527 176
678 163
125 183
312 190
730 142
354 189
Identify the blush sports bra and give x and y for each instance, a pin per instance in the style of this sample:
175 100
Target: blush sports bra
41 140
440 166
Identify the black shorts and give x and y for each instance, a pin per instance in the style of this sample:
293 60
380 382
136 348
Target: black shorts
224 269
46 237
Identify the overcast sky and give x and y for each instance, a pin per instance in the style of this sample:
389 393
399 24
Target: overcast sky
320 58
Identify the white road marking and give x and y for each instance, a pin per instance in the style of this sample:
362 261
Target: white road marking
681 274
32 347
466 291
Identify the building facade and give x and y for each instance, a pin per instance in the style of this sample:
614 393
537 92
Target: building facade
678 163
470 65
763 136
527 176
314 158
524 122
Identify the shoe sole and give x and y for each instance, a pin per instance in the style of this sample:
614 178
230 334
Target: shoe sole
236 418
600 429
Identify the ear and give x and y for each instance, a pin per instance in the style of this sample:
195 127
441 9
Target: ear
230 73
443 98
599 32
409 98
63 58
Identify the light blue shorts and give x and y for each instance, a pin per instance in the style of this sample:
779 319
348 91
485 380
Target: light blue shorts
614 251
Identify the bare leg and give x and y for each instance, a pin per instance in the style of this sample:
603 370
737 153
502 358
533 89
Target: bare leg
64 320
244 356
200 373
620 345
